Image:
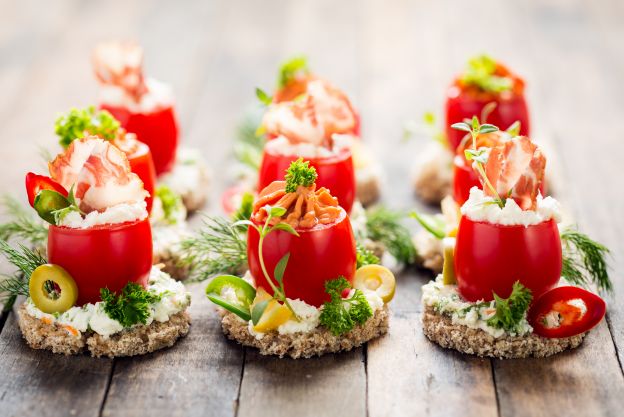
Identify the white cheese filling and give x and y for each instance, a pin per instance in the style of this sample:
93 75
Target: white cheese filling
482 208
119 213
282 146
446 300
190 175
159 95
92 317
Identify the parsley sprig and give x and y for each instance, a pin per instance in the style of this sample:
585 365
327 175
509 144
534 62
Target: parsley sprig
340 315
480 72
584 260
76 122
511 310
479 156
299 173
131 306
365 256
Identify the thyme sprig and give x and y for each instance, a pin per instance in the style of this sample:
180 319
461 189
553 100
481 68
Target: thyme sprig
584 260
220 247
479 156
22 223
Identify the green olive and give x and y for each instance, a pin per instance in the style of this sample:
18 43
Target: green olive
52 289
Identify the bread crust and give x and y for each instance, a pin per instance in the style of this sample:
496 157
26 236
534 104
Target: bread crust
305 345
439 329
138 340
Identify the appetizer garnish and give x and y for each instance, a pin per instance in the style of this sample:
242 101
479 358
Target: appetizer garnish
503 275
96 282
490 91
299 297
78 123
142 105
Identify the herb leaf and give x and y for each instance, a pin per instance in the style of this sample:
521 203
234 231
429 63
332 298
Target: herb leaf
299 173
73 125
433 224
480 73
341 315
130 307
245 210
385 226
584 260
290 69
171 203
278 272
510 311
263 96
365 256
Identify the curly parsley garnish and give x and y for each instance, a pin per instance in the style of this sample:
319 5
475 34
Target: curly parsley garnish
341 315
510 311
299 173
76 122
130 307
171 203
365 256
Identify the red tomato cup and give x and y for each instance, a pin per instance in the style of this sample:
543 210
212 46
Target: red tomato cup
464 104
335 173
157 129
106 256
317 255
490 258
142 164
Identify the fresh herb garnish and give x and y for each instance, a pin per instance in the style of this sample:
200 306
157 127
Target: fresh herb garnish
480 72
384 225
130 307
26 260
171 203
341 315
245 209
220 247
291 69
433 224
365 256
249 142
22 224
299 173
428 127
479 156
584 260
73 125
263 96
510 311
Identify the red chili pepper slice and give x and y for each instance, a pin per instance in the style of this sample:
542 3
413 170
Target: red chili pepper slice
36 183
572 318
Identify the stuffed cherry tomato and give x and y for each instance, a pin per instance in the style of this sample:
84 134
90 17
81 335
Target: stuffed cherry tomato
489 258
105 256
565 312
157 129
318 254
36 183
335 173
141 163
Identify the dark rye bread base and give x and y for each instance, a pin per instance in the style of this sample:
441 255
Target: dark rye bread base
306 345
136 341
439 329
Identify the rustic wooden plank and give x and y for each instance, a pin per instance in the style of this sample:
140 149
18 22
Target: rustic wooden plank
40 383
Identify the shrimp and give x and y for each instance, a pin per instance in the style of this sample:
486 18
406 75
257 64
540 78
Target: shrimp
99 173
516 169
121 64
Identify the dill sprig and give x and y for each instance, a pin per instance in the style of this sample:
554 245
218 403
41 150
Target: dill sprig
22 223
26 261
584 260
10 288
219 247
384 225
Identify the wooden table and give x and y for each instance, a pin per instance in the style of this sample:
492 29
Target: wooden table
395 59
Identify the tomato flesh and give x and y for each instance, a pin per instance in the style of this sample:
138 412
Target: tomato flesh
320 254
335 173
572 319
460 105
142 164
107 256
157 129
489 258
36 183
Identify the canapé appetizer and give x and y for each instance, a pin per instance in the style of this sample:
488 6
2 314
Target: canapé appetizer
96 288
505 286
487 90
145 107
309 117
303 294
169 215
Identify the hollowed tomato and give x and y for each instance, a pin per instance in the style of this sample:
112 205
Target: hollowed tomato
489 258
460 105
317 255
106 256
157 129
142 164
334 173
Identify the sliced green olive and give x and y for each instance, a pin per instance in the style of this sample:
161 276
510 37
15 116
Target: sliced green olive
245 294
448 269
52 289
47 202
